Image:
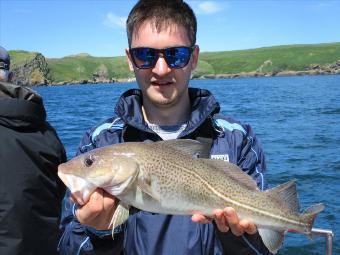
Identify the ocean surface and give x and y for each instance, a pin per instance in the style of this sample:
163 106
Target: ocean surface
297 120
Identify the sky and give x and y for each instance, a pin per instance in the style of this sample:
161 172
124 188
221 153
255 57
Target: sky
58 28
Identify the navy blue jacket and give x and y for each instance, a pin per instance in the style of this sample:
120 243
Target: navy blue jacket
149 233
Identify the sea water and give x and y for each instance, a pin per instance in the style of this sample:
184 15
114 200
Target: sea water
297 120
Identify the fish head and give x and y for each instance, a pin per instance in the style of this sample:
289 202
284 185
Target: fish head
103 167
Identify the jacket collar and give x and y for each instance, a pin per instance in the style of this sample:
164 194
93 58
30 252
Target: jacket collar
203 105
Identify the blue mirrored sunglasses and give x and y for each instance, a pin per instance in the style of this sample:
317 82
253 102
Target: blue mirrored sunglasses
175 57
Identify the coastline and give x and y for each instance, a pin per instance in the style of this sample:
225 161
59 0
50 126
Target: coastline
203 77
33 69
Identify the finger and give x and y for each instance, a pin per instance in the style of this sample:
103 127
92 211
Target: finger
248 226
199 218
221 221
110 202
88 212
97 195
73 199
233 221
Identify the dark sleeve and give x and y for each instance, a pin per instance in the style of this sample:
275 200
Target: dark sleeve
239 245
79 239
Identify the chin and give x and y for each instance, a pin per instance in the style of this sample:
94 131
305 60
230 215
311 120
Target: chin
163 102
164 98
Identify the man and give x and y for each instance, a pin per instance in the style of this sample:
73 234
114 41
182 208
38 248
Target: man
162 53
30 151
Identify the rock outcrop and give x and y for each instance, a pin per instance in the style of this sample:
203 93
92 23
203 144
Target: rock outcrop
33 72
333 68
101 75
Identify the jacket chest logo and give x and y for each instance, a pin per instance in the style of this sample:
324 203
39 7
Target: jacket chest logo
224 157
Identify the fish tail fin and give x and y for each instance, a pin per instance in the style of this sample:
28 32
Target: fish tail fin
309 215
287 193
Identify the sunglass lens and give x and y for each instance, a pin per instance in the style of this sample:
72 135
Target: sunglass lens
177 57
144 57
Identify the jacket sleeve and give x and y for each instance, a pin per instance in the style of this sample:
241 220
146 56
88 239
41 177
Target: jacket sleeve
251 158
77 238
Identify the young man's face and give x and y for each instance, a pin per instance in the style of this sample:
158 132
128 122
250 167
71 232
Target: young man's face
161 85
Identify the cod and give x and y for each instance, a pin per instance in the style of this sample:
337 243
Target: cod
177 177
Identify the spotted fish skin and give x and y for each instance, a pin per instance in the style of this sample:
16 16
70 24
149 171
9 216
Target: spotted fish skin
167 177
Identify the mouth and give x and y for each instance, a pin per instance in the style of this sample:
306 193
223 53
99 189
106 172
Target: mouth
161 83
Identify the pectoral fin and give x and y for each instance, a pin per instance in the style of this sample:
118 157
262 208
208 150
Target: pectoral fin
144 182
271 239
120 216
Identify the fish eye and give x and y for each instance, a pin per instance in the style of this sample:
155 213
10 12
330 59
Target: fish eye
88 162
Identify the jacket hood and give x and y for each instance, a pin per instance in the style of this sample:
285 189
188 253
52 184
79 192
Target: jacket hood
20 107
203 104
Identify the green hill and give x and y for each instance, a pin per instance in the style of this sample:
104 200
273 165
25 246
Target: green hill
85 67
21 57
277 60
272 59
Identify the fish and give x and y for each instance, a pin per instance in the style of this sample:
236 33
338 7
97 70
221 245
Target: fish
177 177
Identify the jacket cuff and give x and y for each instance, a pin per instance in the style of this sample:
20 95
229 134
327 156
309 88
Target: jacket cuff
102 234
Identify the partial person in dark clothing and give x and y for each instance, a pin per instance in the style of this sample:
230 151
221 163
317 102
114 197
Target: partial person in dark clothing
30 191
163 53
5 61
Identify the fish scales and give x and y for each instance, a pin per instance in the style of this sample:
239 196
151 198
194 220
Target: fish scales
167 177
209 188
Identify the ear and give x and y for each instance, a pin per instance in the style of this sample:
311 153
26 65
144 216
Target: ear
195 55
128 57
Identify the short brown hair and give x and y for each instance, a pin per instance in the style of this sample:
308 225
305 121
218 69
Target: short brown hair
162 13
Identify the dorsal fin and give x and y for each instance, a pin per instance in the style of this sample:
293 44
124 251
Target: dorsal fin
233 171
195 148
286 192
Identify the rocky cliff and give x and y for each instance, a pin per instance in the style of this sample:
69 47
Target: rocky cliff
31 71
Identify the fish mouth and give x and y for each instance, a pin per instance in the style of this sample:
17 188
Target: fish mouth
79 187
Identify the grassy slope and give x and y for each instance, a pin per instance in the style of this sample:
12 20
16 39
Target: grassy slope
81 67
280 58
291 57
20 57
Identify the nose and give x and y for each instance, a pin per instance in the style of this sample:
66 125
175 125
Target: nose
161 68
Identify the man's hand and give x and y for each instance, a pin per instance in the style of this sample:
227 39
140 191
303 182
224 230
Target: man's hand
98 211
226 220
